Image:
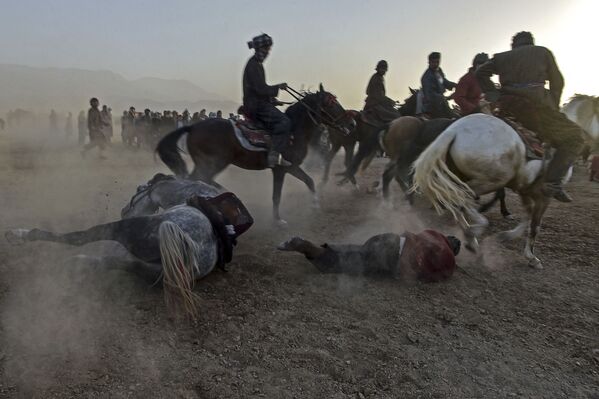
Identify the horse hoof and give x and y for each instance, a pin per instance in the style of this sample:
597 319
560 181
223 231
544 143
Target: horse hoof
472 245
281 223
535 264
509 217
16 236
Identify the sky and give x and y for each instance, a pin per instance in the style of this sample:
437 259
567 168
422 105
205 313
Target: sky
336 42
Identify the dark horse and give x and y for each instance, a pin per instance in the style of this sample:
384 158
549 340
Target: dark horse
213 146
367 133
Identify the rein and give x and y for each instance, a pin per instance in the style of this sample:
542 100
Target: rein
312 113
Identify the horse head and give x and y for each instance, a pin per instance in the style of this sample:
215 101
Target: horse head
408 108
141 203
332 113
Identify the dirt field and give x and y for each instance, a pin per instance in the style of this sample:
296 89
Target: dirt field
272 326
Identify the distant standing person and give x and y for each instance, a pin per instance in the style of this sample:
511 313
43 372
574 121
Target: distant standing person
68 126
53 122
107 122
95 125
1 124
81 127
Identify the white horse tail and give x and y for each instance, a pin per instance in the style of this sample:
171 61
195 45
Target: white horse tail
433 178
179 253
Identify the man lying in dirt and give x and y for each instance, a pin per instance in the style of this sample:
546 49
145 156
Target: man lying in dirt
428 256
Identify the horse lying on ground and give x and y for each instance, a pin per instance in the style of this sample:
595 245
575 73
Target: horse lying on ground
179 246
165 191
213 145
476 155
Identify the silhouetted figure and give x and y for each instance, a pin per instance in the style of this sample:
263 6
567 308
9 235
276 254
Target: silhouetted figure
68 126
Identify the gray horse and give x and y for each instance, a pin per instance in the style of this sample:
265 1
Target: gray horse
164 192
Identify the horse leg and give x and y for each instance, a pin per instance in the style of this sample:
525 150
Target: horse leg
125 232
499 196
299 173
540 203
471 239
349 153
388 174
504 211
328 160
278 177
77 238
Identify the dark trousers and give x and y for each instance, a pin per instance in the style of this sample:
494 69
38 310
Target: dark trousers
553 127
381 113
276 122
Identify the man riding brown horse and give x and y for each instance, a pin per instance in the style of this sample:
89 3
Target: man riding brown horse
378 107
259 100
523 72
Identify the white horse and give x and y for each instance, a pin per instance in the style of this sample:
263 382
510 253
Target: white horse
485 155
584 110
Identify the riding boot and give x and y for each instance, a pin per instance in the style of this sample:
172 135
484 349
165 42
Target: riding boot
275 157
557 169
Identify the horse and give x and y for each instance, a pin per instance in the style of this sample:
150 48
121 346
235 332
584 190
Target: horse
339 139
406 138
179 246
584 110
212 145
476 155
165 191
369 135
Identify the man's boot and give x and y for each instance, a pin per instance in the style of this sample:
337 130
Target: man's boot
276 159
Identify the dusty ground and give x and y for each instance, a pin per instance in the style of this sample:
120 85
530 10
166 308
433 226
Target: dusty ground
273 326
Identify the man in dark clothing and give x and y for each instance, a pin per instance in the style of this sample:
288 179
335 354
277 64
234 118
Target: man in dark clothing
434 84
468 92
82 127
429 256
259 100
378 105
523 72
95 126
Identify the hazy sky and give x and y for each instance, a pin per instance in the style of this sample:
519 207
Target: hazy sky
337 42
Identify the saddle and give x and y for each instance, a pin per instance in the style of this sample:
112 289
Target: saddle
534 146
229 219
507 108
254 132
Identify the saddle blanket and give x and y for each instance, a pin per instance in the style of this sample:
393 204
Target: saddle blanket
250 139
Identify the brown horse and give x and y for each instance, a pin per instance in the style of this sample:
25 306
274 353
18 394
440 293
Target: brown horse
212 145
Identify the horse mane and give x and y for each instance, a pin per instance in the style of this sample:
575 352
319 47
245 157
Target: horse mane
158 177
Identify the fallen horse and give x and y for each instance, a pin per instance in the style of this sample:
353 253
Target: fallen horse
179 246
165 191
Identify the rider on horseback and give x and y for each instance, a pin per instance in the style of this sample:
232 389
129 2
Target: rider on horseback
259 100
434 84
523 72
377 103
468 92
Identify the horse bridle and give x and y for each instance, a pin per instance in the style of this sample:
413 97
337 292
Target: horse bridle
135 199
328 119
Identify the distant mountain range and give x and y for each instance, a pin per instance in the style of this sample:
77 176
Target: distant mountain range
65 89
